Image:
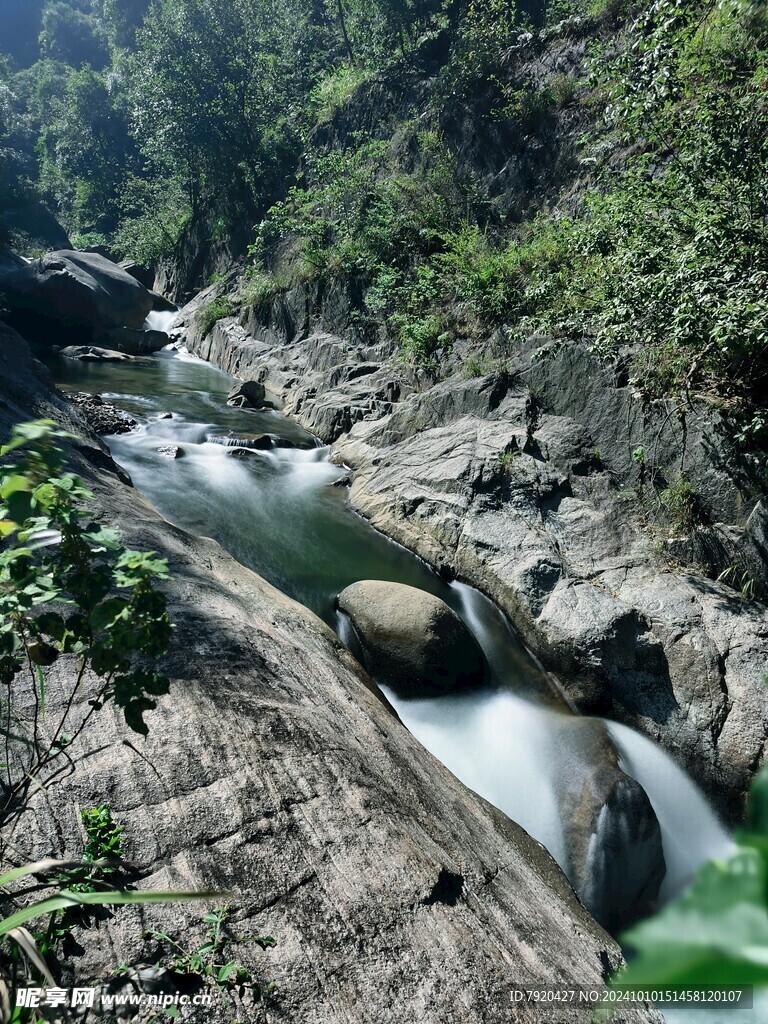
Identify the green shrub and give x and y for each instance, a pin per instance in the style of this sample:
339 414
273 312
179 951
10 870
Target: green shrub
216 310
211 962
679 502
335 89
67 587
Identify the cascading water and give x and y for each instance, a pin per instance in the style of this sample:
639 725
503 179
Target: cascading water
516 741
160 320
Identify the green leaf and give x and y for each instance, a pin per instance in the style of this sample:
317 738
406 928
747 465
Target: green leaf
106 614
19 505
225 971
715 933
67 898
15 484
105 537
38 867
51 624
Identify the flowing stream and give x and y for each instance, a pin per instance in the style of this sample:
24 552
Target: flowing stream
278 512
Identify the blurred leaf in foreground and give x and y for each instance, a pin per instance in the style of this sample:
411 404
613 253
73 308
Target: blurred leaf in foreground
716 933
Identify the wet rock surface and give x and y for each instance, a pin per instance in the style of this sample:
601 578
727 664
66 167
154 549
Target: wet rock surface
274 773
171 451
94 354
260 442
613 838
101 416
326 382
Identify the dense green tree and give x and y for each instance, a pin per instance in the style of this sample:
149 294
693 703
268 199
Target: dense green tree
221 87
71 31
121 20
85 151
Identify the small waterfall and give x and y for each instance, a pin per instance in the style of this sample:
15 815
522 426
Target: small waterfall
507 657
517 741
690 830
160 320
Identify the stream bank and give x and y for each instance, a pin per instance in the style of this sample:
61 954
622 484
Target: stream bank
272 772
527 484
514 739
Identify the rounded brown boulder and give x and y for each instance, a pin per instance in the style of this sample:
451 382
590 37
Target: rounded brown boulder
410 639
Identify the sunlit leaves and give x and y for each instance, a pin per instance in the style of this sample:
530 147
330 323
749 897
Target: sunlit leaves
97 599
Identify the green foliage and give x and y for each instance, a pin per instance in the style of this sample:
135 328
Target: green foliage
506 460
335 89
211 963
104 843
211 84
95 872
23 955
259 287
216 310
71 31
741 579
153 213
486 30
360 215
69 587
85 151
679 502
716 933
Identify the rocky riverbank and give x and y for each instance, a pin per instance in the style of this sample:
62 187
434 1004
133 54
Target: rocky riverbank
606 526
274 773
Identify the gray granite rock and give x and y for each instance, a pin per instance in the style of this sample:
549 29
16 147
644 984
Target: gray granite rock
412 640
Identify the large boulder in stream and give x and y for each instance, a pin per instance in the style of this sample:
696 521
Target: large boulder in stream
613 839
411 640
134 342
81 290
247 393
273 772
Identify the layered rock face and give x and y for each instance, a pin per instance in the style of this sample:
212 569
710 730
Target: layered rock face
535 507
274 774
551 486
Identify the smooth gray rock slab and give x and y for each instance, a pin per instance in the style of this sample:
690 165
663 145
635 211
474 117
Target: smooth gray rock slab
76 289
